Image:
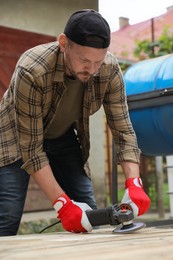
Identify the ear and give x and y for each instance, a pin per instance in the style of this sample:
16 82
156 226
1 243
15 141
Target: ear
62 41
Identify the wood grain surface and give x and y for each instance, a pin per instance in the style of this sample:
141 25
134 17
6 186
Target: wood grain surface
148 243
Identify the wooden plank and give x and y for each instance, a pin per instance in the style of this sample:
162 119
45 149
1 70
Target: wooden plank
155 243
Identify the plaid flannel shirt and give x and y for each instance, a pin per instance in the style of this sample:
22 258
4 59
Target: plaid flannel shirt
30 103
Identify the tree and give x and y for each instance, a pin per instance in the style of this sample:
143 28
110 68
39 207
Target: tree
147 49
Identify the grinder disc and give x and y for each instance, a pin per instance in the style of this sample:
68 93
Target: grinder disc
129 228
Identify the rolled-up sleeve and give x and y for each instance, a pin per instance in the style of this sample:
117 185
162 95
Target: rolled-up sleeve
117 114
29 121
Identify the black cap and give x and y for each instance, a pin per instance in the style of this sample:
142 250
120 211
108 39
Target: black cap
88 28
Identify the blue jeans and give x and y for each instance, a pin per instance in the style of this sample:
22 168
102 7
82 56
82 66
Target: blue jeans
65 159
13 188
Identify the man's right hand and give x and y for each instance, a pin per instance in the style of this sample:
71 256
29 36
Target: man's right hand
72 214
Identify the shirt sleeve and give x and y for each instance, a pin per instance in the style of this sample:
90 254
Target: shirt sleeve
117 114
29 121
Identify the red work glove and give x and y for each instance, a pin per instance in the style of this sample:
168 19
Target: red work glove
136 197
72 214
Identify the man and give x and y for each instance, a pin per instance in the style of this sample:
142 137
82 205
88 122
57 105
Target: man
44 129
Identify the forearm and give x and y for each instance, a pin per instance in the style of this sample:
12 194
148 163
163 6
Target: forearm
130 169
47 183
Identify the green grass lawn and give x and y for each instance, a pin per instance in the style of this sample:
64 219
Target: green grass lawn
153 197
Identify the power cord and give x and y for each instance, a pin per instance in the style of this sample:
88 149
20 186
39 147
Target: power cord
49 226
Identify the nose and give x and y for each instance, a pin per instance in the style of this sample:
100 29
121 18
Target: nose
92 68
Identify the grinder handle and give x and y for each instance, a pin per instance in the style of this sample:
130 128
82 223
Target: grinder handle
99 217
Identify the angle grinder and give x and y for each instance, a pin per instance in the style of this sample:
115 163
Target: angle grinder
115 215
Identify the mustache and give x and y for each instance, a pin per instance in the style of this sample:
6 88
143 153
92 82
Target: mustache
85 73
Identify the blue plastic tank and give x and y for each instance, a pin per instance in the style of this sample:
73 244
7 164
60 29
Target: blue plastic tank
149 88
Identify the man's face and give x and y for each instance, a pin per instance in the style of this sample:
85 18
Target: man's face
82 62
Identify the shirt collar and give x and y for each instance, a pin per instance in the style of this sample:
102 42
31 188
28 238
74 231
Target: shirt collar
59 72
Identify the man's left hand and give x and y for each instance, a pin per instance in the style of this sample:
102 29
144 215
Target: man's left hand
136 197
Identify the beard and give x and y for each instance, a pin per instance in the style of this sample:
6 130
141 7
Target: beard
83 76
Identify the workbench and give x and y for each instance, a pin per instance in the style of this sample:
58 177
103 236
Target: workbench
148 243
